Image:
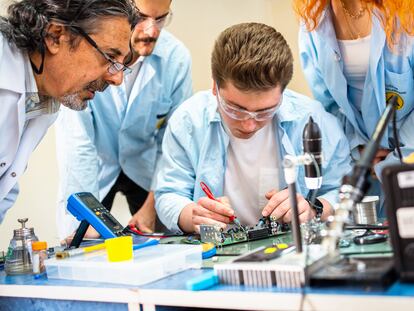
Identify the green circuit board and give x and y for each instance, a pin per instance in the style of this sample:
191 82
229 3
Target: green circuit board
229 251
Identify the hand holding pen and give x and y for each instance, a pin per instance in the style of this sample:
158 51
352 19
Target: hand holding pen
210 210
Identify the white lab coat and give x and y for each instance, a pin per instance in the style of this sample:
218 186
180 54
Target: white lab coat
18 138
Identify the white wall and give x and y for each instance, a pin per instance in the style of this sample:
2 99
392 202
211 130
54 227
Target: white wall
197 23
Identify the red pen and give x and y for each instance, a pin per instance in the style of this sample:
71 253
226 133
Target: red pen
207 191
210 195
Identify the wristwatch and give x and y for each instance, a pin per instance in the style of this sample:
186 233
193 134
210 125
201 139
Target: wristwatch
317 206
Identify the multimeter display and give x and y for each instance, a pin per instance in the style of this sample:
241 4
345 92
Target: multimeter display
84 206
91 201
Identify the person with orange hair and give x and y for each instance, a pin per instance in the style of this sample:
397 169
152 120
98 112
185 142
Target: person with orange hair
356 55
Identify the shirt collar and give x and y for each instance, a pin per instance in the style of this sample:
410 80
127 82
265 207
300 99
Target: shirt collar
30 81
287 111
34 105
159 49
138 62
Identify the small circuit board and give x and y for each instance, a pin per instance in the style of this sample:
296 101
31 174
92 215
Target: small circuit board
266 227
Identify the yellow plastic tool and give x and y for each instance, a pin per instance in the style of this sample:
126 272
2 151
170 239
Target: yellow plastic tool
119 249
270 250
209 250
282 246
409 159
207 246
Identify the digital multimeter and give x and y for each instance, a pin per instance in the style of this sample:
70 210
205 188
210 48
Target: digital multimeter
85 207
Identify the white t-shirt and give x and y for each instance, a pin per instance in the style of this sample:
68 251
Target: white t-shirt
355 54
252 170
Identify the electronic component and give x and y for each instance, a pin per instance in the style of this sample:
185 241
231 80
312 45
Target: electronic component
312 231
237 234
212 234
257 233
277 265
266 227
370 237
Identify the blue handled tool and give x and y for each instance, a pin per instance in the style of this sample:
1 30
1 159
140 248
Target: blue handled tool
146 244
202 282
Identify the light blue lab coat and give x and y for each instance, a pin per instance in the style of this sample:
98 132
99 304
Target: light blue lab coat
195 149
115 134
388 71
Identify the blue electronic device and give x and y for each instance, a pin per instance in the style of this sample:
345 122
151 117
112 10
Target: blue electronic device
85 207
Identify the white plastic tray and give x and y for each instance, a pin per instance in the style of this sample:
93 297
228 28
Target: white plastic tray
149 264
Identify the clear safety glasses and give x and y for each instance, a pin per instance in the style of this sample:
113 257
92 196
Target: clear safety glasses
241 114
160 21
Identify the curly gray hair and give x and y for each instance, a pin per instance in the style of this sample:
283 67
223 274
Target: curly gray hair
27 20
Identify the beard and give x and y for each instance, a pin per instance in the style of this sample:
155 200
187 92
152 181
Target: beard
73 101
148 48
79 101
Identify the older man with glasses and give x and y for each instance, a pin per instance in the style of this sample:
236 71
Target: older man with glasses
45 61
234 137
114 145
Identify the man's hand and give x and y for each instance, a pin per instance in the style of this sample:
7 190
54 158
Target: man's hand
279 206
144 218
211 212
379 157
91 233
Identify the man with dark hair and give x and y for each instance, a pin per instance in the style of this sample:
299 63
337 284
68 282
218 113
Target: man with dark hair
114 145
235 136
53 52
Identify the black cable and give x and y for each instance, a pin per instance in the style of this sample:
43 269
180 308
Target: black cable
151 235
365 227
396 138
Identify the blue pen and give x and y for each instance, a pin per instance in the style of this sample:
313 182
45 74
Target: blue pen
147 243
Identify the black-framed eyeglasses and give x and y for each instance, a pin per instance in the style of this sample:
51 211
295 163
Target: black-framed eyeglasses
115 66
160 21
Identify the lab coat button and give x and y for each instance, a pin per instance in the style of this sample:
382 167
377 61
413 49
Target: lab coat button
2 164
13 174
